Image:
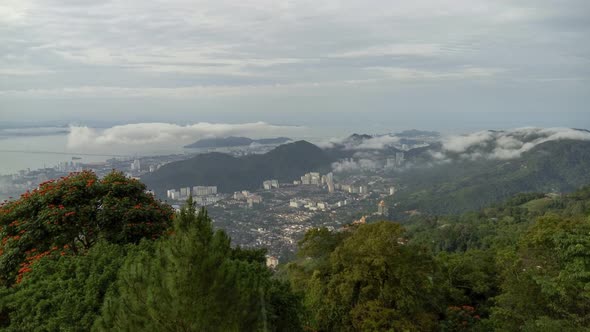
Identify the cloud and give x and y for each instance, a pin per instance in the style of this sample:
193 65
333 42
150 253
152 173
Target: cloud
183 92
149 137
392 50
373 56
503 144
377 143
374 143
407 74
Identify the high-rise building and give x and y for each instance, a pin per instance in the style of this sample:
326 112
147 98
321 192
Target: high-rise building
363 190
175 195
391 191
184 192
330 182
306 179
204 190
269 184
399 158
136 165
316 178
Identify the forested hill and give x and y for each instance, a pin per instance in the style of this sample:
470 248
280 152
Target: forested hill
523 265
286 163
463 185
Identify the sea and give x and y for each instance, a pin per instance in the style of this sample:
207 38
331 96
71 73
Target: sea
33 152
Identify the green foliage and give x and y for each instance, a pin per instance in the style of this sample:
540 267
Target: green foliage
71 214
62 293
194 281
468 279
548 279
509 267
372 280
466 185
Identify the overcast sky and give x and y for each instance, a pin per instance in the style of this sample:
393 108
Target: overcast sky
438 64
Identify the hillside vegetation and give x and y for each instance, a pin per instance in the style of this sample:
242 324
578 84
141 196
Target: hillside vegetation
462 185
522 265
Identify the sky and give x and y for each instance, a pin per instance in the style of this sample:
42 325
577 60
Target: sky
372 64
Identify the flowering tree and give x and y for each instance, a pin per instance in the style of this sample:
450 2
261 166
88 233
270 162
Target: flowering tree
68 215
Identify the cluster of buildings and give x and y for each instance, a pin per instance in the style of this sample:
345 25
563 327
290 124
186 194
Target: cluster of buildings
308 204
247 196
395 162
270 184
202 195
315 178
353 189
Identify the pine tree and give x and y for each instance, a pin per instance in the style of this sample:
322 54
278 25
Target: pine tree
191 283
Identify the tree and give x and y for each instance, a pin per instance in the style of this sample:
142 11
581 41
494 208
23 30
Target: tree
194 281
63 292
375 281
547 280
71 214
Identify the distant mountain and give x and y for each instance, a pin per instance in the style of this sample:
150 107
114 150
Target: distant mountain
413 133
463 185
359 137
233 141
286 163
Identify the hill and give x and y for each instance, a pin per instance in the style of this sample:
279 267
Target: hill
462 185
233 141
284 163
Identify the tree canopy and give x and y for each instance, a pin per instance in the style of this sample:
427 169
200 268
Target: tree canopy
69 215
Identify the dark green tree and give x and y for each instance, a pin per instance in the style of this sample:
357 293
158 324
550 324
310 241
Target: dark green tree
374 281
194 281
63 293
546 282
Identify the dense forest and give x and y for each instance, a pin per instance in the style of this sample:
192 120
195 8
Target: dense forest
82 253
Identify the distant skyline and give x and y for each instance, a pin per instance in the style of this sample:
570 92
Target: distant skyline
372 65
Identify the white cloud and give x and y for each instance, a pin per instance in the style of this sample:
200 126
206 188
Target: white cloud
407 74
377 143
504 144
73 49
145 137
392 50
461 143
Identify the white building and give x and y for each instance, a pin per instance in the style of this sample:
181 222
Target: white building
391 191
363 190
204 190
175 195
269 184
136 165
330 182
184 192
272 262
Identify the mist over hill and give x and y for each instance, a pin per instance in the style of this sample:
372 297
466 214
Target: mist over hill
463 184
449 174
